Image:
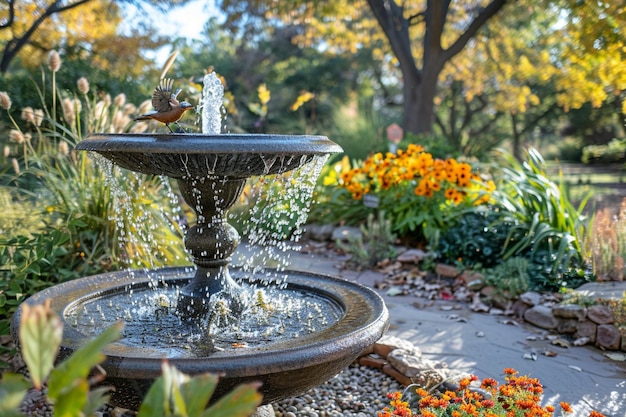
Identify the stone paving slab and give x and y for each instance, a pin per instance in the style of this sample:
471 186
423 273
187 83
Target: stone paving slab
484 345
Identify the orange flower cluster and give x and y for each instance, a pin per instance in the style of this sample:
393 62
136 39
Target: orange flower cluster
519 396
415 166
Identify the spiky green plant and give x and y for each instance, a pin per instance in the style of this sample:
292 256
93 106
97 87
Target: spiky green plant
50 193
545 220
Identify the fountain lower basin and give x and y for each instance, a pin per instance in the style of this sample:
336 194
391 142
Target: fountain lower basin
285 368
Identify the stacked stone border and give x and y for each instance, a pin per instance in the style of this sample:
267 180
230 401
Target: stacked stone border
593 325
403 361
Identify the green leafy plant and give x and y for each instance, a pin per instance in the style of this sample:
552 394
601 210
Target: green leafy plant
614 151
547 228
475 239
61 213
69 384
509 278
375 243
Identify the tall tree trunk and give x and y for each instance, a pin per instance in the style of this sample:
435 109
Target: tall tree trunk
420 85
419 99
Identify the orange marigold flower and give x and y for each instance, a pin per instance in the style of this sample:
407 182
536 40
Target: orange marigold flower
489 382
458 198
422 392
510 371
464 167
487 403
462 179
595 413
456 414
394 395
426 413
469 409
434 185
420 189
565 407
525 404
550 408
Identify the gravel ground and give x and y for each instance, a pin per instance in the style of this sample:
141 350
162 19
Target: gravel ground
356 392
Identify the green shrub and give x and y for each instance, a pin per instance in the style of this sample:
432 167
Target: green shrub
614 151
475 240
60 217
546 227
510 278
375 244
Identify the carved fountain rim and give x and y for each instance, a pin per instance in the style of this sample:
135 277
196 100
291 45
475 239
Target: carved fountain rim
198 143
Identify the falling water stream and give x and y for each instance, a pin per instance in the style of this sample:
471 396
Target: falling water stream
270 311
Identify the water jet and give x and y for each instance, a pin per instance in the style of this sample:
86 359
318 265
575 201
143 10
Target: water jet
337 319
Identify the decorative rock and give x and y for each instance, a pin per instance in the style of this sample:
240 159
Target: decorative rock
449 271
569 311
567 326
600 314
608 337
541 316
531 298
586 329
519 308
469 276
388 343
623 343
319 232
397 375
265 411
405 362
411 256
475 284
420 372
346 233
372 362
487 291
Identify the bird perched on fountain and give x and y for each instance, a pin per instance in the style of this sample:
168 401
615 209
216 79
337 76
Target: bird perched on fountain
167 109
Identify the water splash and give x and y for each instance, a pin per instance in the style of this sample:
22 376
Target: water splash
272 214
211 104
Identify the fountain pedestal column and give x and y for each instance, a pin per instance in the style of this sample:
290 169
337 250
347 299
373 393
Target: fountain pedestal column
211 241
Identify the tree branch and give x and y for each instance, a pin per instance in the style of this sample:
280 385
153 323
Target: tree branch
11 18
486 13
16 44
396 28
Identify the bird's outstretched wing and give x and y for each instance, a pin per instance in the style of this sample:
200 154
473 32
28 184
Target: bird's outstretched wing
162 95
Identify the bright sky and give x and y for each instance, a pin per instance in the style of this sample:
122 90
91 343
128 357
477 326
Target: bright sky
186 21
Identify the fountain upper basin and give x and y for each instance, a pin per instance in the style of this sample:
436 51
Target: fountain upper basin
199 155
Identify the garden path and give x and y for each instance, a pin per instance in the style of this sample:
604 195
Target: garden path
483 344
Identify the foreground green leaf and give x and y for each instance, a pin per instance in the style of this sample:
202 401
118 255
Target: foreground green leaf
13 388
70 374
40 336
241 402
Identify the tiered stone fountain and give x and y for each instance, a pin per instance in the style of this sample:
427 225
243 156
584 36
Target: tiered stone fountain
174 303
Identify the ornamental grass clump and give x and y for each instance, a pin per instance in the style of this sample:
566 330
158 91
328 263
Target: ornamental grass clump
518 396
419 193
